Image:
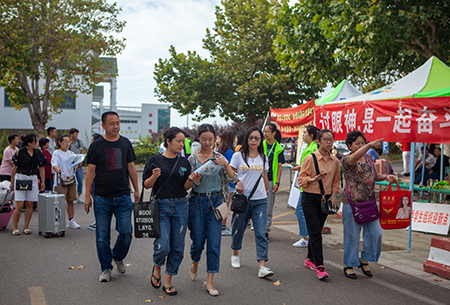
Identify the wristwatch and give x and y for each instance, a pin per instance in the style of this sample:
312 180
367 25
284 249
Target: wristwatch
277 183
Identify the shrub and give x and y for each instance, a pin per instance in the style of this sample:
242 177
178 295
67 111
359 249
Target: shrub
145 149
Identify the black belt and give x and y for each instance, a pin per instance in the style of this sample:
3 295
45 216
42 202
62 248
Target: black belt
205 194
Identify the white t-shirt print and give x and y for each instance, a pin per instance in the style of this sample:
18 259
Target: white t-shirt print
249 174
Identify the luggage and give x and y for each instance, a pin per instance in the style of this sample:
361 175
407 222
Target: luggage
52 213
6 207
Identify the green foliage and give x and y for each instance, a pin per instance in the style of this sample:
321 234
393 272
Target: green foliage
58 42
369 43
3 143
242 79
145 149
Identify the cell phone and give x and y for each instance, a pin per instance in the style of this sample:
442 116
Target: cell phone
211 159
89 209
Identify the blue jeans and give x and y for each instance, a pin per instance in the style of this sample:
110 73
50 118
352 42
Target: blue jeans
427 176
79 176
104 208
173 217
257 211
205 227
372 236
302 228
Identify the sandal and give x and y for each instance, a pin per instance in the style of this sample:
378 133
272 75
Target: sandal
15 232
158 280
166 289
366 272
27 231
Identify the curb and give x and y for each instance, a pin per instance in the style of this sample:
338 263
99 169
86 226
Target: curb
439 259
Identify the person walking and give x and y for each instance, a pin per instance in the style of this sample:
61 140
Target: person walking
312 184
169 176
77 146
29 163
251 165
275 154
111 159
309 136
44 144
61 165
7 160
52 134
360 176
208 194
226 148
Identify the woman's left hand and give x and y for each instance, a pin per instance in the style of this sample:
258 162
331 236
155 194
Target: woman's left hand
334 201
221 161
391 178
78 167
195 177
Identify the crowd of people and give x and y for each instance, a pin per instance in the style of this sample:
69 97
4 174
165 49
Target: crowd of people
248 164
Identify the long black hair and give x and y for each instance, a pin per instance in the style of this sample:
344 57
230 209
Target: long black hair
245 149
171 134
205 128
313 131
274 128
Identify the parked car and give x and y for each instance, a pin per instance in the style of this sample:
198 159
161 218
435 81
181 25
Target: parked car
290 151
341 148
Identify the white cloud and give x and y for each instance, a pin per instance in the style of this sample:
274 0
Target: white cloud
152 26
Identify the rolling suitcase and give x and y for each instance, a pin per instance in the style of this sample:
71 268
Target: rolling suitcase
6 207
52 213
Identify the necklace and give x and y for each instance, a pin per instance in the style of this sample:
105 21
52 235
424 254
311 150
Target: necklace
206 157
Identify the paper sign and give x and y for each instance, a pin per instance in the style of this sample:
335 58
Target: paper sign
430 217
76 159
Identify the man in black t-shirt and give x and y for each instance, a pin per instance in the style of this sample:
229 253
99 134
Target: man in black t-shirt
111 158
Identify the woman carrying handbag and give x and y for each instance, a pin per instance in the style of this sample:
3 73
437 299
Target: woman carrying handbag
170 177
251 165
208 194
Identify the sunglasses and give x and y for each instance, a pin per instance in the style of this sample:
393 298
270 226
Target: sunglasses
254 138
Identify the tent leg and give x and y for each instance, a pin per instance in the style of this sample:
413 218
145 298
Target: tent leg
411 188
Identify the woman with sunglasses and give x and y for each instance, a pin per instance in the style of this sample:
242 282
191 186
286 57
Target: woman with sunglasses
308 180
275 155
209 191
251 165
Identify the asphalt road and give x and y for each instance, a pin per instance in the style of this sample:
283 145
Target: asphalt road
35 270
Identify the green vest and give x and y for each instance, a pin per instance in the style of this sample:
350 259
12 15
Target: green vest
278 150
187 146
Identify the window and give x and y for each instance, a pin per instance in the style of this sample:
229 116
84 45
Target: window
7 101
128 121
163 118
69 101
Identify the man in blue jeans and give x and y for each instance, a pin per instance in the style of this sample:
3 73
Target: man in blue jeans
111 158
77 147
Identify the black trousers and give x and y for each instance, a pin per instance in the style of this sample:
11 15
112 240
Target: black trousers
315 220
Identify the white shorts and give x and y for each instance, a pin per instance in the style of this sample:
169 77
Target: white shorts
32 195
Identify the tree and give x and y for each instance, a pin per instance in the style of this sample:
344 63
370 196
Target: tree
369 42
242 79
58 42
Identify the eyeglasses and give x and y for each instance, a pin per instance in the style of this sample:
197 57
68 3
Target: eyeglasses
254 138
329 140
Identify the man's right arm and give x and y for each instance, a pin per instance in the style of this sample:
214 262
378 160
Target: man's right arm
89 180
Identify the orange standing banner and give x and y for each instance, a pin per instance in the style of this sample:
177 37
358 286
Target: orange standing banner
289 120
395 208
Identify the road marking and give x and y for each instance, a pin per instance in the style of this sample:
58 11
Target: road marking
394 287
284 214
37 296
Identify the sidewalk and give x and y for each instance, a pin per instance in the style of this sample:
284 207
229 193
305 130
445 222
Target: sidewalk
395 253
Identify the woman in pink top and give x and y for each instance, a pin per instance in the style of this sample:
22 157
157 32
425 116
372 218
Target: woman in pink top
7 163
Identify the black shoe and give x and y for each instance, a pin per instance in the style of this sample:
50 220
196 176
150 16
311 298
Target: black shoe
406 174
366 273
349 275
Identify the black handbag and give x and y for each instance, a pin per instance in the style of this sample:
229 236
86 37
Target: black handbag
326 204
24 185
146 213
239 202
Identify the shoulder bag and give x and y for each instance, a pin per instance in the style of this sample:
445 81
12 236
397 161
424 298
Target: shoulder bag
239 202
146 213
326 204
367 211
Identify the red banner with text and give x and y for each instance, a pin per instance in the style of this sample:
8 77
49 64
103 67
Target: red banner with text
424 120
289 120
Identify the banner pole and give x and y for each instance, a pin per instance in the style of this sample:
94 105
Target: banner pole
411 188
265 121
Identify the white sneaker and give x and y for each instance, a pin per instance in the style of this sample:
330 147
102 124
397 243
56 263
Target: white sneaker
73 225
235 263
264 272
105 276
120 267
301 243
80 200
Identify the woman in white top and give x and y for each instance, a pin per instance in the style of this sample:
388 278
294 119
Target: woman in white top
61 164
251 164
